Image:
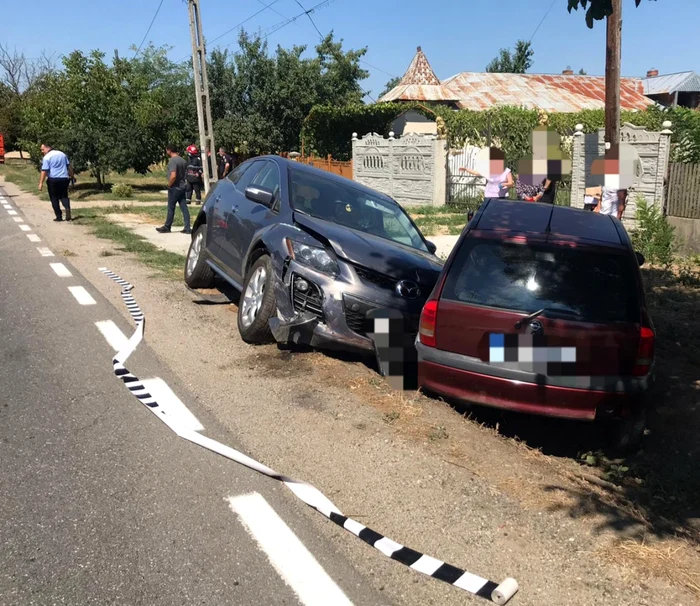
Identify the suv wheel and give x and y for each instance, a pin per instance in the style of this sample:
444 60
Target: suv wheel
197 273
257 304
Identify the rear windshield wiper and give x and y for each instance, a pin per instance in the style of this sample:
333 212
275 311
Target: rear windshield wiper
539 312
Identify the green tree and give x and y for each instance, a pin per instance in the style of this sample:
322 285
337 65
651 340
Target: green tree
391 84
260 100
596 10
516 62
107 117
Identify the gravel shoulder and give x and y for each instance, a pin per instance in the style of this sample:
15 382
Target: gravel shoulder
412 468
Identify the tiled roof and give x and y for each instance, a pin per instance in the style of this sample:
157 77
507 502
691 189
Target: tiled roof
551 93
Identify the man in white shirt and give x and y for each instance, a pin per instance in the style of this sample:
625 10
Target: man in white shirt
58 173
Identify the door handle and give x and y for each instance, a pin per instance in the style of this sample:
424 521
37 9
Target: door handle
234 209
217 199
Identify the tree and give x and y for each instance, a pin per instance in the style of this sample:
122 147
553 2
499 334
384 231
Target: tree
597 10
517 62
390 85
107 117
260 100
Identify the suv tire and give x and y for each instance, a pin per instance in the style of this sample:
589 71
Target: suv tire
257 304
197 273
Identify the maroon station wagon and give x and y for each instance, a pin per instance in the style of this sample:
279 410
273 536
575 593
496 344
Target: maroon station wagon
541 309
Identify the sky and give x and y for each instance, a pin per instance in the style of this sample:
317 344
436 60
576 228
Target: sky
456 35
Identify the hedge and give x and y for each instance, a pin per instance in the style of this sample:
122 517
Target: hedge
328 130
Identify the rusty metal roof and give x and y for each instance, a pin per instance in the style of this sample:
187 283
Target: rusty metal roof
552 93
419 83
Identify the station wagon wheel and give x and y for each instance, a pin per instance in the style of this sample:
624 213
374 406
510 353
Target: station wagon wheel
257 304
197 273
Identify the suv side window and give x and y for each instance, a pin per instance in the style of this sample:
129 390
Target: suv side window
269 178
245 179
235 175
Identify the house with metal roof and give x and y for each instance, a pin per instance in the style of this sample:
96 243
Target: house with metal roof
478 91
673 90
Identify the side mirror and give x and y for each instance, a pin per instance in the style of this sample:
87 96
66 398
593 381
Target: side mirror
470 215
640 258
432 247
261 195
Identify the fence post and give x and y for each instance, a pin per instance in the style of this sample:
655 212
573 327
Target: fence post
662 165
578 169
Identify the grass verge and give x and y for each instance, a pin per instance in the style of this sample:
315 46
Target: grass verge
167 264
146 188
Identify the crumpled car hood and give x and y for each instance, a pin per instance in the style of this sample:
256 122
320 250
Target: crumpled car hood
375 253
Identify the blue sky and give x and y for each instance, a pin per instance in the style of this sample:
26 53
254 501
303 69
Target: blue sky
456 35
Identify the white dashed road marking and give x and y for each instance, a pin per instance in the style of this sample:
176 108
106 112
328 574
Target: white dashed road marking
81 295
25 227
61 270
172 405
115 337
297 567
11 212
45 252
35 238
18 219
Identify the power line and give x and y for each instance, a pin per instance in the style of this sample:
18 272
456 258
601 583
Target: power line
275 28
228 31
138 50
379 69
321 36
541 22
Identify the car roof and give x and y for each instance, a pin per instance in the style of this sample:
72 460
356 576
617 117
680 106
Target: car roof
521 218
305 168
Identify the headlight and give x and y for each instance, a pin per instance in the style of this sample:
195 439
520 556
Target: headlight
314 257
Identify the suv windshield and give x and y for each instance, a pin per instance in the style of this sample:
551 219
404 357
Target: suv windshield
353 208
584 284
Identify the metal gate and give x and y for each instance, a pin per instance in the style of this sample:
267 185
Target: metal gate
463 188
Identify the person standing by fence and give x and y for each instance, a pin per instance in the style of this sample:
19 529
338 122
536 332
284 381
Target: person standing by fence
194 175
177 185
500 178
58 173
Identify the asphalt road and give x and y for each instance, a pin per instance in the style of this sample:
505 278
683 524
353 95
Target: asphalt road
100 503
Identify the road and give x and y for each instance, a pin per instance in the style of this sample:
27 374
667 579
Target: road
101 502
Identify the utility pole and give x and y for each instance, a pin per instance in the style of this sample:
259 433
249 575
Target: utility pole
612 74
201 87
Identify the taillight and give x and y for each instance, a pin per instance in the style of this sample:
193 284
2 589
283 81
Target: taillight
428 319
645 353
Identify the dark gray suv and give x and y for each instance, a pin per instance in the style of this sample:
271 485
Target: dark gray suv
311 253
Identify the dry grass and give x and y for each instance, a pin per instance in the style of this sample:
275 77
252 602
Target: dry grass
662 560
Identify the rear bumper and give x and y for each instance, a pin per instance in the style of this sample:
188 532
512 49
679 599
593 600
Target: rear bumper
537 398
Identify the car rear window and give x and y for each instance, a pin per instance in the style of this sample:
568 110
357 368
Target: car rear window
583 284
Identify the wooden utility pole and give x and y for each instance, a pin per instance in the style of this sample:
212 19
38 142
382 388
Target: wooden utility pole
201 87
612 74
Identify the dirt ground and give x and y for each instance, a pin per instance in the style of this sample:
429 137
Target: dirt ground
456 484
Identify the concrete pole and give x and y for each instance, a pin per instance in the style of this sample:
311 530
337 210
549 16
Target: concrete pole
201 86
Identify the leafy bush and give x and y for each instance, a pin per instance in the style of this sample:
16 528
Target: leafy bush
689 273
654 236
122 190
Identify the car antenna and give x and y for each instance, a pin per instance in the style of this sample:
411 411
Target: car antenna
548 229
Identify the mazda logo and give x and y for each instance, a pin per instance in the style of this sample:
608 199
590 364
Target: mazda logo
407 289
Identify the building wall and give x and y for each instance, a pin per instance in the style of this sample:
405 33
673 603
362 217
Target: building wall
411 169
687 234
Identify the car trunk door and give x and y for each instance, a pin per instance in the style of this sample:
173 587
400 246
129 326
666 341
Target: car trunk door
483 296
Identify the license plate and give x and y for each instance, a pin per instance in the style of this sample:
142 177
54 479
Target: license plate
530 353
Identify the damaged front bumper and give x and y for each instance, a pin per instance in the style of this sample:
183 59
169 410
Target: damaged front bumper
326 326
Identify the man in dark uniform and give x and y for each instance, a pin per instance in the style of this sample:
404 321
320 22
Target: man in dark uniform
194 174
224 163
